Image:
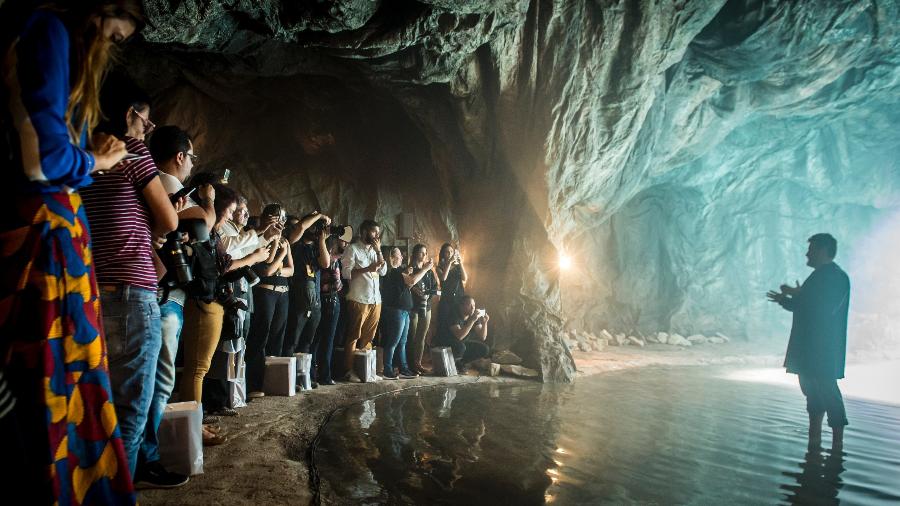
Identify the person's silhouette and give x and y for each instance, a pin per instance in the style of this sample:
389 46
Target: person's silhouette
818 344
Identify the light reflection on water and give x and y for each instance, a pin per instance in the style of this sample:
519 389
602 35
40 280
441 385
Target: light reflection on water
651 436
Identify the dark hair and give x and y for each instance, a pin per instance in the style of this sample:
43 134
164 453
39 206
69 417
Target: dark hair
826 241
167 141
331 241
119 95
443 249
417 248
225 197
464 298
366 226
272 209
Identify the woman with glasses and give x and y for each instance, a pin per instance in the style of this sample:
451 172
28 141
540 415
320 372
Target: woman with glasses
60 442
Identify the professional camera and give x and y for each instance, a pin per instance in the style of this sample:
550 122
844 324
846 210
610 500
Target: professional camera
175 259
225 297
246 273
342 232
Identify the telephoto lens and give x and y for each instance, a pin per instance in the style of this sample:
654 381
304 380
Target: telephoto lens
175 260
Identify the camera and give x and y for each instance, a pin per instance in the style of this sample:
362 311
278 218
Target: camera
246 273
225 297
175 259
175 255
342 232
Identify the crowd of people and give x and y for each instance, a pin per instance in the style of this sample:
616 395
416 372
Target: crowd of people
117 261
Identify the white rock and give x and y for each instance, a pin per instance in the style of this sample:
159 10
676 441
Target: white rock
621 340
636 341
723 336
518 370
697 338
678 340
662 337
715 340
605 333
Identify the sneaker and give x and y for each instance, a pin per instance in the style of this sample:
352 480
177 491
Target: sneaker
390 377
225 412
256 395
154 475
211 419
407 375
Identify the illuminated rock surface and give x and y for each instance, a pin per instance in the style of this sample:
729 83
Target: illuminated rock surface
680 152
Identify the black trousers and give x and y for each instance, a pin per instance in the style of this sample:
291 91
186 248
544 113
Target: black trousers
267 329
467 351
303 319
824 396
331 311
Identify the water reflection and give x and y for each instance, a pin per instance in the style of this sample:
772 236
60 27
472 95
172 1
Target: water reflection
665 436
818 480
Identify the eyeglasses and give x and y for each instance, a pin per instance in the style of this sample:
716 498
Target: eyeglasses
194 157
148 125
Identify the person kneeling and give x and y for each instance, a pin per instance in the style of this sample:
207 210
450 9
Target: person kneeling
466 332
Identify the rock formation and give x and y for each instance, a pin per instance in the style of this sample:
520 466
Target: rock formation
680 152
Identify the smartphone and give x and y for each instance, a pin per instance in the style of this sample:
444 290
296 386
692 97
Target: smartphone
225 176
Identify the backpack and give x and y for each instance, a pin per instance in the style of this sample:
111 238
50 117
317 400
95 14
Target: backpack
205 270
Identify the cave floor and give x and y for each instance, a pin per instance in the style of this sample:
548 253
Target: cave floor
264 460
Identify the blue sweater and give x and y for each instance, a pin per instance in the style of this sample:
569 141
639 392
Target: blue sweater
45 157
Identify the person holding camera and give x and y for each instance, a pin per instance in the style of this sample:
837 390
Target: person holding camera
363 264
453 277
270 299
397 303
173 152
420 315
209 296
123 205
238 244
330 294
305 306
466 334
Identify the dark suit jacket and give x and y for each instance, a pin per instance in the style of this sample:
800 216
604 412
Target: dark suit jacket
818 345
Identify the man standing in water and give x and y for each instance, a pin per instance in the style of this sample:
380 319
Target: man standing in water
818 345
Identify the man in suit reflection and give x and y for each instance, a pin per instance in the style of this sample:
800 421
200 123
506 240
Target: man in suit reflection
818 344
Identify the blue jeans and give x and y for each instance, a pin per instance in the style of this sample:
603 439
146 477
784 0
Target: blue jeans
133 330
172 316
394 328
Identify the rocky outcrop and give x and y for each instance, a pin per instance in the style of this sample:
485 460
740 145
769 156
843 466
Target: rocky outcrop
679 152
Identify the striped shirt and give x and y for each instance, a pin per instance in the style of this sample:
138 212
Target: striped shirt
120 221
7 401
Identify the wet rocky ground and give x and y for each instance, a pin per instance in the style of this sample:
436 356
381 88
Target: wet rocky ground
265 458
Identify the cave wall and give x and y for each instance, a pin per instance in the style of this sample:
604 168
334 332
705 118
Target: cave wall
680 152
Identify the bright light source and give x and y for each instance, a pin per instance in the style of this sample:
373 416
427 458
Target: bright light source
565 262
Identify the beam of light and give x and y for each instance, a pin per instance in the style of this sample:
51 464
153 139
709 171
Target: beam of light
871 262
871 381
565 261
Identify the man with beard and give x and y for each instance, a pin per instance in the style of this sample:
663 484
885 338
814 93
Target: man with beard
363 263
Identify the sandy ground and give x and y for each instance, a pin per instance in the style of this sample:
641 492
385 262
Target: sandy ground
264 461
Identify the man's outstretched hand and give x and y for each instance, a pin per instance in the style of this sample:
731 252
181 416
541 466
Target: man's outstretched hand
774 296
790 290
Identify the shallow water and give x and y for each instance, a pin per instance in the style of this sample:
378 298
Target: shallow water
687 435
